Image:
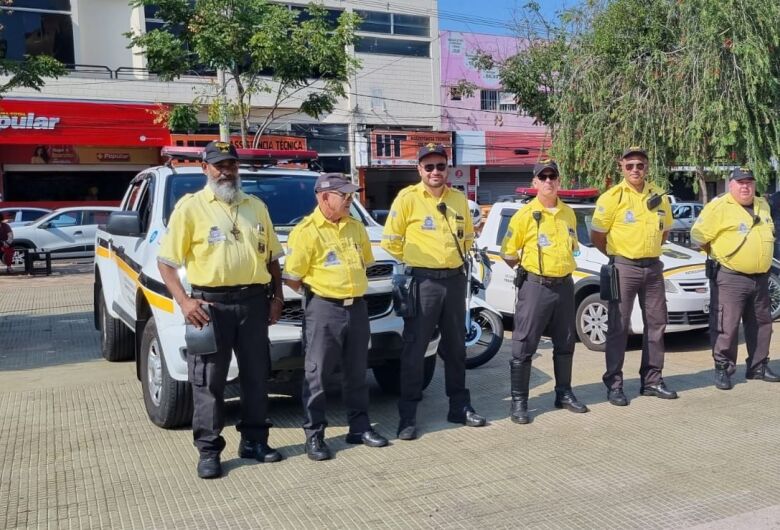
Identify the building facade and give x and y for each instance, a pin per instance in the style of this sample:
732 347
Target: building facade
496 143
396 89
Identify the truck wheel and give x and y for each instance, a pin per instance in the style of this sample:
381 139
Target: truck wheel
388 375
117 341
168 401
592 322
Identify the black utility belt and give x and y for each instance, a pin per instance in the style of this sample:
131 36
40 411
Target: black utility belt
725 269
231 293
640 262
345 302
548 280
433 274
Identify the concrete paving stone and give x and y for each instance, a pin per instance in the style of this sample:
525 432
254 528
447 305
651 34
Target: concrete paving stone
77 450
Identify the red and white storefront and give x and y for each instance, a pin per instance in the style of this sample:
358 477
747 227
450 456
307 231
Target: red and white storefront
55 152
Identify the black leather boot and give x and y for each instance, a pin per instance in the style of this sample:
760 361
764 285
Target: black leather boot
763 373
564 397
520 375
722 378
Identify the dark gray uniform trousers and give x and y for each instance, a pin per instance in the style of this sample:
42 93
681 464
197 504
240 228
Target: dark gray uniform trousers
541 307
336 335
442 303
735 296
241 326
648 283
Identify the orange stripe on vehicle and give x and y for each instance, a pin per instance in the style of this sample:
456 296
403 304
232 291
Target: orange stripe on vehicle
681 270
157 300
103 252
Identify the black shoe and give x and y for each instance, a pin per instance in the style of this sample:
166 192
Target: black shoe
518 412
317 450
407 431
567 400
617 397
658 390
467 417
370 438
763 373
722 378
260 451
209 467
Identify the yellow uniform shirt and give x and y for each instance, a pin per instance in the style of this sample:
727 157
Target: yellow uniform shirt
330 258
555 235
725 224
633 231
417 234
199 238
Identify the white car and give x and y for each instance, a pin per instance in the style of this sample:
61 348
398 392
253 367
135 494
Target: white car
66 233
687 288
130 299
22 215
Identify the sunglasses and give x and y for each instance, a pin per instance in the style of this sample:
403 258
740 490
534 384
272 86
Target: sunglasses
639 165
547 176
430 167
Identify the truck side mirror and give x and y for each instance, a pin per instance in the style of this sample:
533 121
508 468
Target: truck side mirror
124 223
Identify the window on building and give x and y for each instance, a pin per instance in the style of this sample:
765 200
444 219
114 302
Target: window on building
506 102
456 93
394 23
411 48
497 100
48 30
488 99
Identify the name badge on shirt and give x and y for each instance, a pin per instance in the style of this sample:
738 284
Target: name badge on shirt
544 241
216 235
630 217
743 229
261 247
428 223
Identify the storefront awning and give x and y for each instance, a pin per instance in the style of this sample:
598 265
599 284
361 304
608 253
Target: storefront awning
49 122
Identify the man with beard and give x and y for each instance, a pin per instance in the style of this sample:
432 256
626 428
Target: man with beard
737 231
541 239
226 242
429 229
327 255
631 222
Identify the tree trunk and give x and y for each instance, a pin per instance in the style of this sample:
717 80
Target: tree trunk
243 110
702 184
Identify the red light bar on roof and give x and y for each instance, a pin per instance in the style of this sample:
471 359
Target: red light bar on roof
580 194
249 156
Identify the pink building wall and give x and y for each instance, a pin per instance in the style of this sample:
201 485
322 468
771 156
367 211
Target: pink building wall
465 115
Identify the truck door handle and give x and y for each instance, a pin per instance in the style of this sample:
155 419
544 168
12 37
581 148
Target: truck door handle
78 233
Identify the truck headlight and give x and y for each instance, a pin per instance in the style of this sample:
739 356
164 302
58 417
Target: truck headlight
670 287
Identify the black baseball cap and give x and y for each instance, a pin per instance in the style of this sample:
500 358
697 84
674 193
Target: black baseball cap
432 149
216 152
741 173
634 150
335 182
546 163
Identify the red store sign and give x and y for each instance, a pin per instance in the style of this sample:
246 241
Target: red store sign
77 123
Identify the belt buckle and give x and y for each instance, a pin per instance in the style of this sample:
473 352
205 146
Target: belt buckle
348 302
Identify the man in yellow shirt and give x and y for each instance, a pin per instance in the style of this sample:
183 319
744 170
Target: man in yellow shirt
327 255
429 229
541 239
226 242
631 222
737 231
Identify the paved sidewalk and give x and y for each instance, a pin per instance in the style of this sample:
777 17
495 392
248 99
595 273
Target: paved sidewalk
77 450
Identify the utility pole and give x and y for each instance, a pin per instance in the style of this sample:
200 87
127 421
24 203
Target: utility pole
224 121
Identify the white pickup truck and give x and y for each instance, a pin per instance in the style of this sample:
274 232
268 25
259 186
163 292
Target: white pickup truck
139 320
687 288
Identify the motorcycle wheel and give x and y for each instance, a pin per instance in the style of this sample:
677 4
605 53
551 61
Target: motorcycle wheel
490 340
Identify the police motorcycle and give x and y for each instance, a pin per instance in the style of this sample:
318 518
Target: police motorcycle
484 325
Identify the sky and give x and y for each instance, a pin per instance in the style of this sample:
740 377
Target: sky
473 16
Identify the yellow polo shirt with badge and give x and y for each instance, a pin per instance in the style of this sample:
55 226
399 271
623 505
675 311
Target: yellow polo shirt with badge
417 234
199 237
555 235
330 258
633 230
725 224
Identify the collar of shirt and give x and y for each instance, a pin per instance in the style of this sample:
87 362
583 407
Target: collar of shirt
536 206
646 190
422 190
210 197
320 220
756 204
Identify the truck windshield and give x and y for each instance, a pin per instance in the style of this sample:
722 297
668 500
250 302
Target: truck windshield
289 197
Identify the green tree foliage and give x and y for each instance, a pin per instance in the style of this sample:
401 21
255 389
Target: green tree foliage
263 48
697 82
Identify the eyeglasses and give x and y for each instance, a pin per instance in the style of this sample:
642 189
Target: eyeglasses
342 196
547 176
430 167
639 165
